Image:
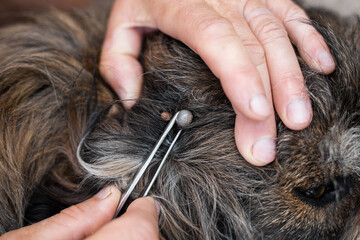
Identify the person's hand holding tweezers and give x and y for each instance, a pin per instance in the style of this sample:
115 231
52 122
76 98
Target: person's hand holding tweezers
92 219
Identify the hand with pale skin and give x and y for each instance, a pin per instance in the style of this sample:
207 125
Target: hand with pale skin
92 220
245 43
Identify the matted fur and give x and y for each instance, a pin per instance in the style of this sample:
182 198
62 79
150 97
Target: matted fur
52 96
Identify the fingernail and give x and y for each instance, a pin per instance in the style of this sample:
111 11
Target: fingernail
156 203
157 207
260 105
325 58
298 111
122 94
127 99
108 44
104 193
111 38
264 150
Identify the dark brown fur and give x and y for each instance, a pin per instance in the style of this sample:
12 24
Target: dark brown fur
52 96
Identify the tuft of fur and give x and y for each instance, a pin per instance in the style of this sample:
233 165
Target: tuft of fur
52 97
48 67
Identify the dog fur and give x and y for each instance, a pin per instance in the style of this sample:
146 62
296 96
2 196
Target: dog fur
52 96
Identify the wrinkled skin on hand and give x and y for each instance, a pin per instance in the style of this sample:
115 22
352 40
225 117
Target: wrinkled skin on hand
92 220
246 44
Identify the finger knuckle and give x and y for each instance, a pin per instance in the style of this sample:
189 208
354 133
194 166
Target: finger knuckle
254 47
214 31
247 72
272 30
73 212
212 26
255 50
293 12
311 35
288 80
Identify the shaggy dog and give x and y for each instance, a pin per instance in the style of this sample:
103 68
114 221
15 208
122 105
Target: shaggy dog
52 97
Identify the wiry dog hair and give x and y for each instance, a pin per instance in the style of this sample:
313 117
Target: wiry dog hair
52 96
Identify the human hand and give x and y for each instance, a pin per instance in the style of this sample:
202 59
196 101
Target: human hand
92 220
246 44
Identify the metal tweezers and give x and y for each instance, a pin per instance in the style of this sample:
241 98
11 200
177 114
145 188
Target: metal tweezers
178 117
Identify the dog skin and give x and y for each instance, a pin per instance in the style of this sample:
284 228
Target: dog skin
52 97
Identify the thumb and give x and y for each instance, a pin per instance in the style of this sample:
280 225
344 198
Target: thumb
129 21
140 221
75 222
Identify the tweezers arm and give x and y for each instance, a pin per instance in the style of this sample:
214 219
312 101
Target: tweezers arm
146 165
